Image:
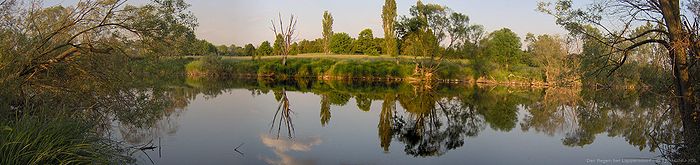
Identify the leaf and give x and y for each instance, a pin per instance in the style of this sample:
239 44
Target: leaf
7 128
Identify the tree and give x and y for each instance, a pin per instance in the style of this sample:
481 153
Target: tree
236 50
317 45
294 50
503 46
433 17
463 37
264 49
249 50
223 50
203 47
549 53
380 45
421 35
341 43
457 30
472 42
365 43
678 35
327 31
305 46
287 33
388 20
278 46
35 38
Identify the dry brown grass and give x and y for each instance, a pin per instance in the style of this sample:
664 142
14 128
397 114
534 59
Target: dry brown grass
319 55
330 56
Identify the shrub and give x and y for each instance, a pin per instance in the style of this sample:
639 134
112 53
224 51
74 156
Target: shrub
209 65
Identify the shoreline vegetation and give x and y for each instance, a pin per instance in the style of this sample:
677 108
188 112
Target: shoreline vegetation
98 62
360 67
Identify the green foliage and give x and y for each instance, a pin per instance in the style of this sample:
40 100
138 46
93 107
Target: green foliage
302 68
504 47
454 71
341 43
159 70
549 53
264 49
420 43
203 47
206 66
316 68
223 50
315 46
370 69
212 66
277 49
388 20
422 33
327 31
55 141
380 45
365 43
432 17
249 50
294 49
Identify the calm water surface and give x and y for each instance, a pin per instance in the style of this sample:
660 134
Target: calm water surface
246 122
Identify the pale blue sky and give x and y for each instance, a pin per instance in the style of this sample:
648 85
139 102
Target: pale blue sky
248 21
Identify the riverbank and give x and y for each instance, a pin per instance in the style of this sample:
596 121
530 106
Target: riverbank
360 68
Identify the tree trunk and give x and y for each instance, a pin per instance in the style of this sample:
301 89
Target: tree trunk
284 60
681 71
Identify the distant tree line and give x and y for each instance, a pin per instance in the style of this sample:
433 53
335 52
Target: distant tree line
340 43
437 32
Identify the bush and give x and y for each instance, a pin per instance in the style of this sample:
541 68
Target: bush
312 68
452 71
209 65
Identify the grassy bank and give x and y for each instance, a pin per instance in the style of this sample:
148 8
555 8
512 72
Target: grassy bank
371 68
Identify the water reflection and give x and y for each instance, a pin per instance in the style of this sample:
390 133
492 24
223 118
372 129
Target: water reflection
281 147
283 115
431 120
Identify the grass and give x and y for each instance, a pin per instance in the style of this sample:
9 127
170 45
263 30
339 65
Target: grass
315 55
151 72
326 56
323 66
31 140
302 68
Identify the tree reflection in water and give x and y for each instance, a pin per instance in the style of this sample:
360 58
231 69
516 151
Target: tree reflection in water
283 115
432 121
386 121
153 114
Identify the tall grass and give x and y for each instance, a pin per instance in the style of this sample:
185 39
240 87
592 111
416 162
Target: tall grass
209 65
365 68
31 140
301 68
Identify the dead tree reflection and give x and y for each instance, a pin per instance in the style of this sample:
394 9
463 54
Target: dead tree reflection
283 115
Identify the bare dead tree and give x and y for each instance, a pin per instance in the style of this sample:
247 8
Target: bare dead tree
287 33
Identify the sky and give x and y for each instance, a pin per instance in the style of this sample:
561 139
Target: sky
241 22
